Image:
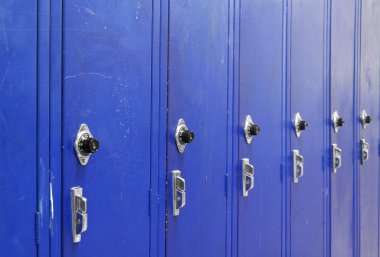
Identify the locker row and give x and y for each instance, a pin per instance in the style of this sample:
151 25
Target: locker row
178 128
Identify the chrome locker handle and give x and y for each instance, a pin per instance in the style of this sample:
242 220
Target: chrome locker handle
78 213
179 192
364 151
297 165
336 158
248 173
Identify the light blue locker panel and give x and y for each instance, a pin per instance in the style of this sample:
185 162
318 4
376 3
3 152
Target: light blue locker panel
369 101
307 82
341 127
260 96
18 121
107 85
197 93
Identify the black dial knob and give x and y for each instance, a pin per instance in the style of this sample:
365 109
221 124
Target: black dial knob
187 136
89 145
367 119
254 130
302 125
340 122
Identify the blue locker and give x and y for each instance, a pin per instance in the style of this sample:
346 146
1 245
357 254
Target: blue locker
18 121
369 101
107 86
341 127
260 96
307 85
197 93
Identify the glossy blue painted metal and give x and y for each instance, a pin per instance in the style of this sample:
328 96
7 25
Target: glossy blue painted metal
197 92
369 99
342 100
307 82
18 126
260 92
107 84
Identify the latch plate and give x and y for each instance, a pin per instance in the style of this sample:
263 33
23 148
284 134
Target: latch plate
248 174
247 124
336 157
334 118
297 165
179 192
79 218
364 151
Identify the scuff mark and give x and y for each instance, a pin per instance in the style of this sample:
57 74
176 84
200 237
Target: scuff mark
5 39
51 203
138 7
89 11
88 73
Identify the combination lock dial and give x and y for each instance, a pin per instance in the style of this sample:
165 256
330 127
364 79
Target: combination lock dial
250 129
85 144
299 124
183 136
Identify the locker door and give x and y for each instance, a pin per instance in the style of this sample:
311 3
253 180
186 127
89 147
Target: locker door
307 82
342 90
259 229
18 112
107 85
198 57
369 100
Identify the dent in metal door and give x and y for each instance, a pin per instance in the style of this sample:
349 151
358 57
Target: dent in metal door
197 93
107 85
342 90
259 220
307 88
18 99
369 100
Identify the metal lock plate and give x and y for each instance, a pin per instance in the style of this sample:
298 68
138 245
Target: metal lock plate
181 128
297 165
84 135
248 174
335 120
363 118
364 151
179 192
299 124
79 218
248 123
336 157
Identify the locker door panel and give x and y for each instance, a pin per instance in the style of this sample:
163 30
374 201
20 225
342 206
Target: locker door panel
107 85
197 93
369 100
261 97
18 99
306 78
342 90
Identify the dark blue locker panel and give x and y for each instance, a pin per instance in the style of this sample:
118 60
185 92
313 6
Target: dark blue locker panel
197 93
107 85
342 102
18 99
259 214
307 93
369 100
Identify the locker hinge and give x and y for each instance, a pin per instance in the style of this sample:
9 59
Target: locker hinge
226 185
37 227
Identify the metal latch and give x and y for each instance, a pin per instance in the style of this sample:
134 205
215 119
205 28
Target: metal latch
85 144
179 192
78 213
364 151
297 165
248 173
336 157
